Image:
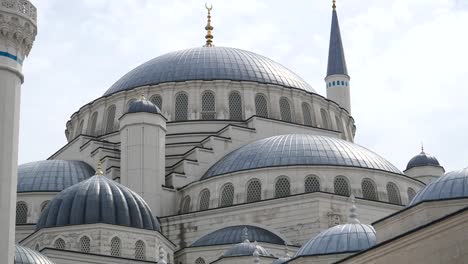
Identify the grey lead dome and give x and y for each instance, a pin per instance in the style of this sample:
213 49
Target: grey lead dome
24 255
208 64
98 200
422 159
143 106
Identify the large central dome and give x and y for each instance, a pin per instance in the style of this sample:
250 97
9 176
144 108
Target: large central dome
208 64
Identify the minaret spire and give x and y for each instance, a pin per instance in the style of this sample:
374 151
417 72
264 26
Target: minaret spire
209 27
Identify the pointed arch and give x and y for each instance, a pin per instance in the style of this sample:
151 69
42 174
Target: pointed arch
140 250
393 193
235 106
85 244
227 195
116 247
92 124
307 114
208 105
285 109
325 122
204 203
110 119
369 189
261 105
254 191
181 106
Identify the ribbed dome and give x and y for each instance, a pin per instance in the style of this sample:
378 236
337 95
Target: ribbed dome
24 255
296 149
236 234
51 175
340 239
98 200
422 159
214 63
246 248
143 105
453 184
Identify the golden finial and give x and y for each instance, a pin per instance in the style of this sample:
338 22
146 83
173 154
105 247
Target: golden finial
334 5
209 27
142 97
422 147
99 169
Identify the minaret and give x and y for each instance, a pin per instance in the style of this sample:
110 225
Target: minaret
17 33
337 79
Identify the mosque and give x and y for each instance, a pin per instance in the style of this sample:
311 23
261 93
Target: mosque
219 155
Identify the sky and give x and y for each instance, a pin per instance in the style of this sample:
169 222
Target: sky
407 61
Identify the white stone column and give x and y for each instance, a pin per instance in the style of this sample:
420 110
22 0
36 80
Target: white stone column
17 33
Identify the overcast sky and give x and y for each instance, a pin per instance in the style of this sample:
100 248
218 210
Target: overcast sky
408 61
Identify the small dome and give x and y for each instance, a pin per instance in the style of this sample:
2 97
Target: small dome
422 159
98 200
208 64
24 255
51 175
236 234
143 106
299 150
452 185
246 248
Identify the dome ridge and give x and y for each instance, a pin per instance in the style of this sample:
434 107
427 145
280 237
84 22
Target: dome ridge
24 255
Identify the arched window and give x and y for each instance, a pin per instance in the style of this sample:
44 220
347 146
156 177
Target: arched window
200 261
36 247
116 247
393 193
110 119
235 106
44 205
80 128
324 114
254 191
185 206
59 243
312 184
181 107
261 105
369 190
208 106
341 186
227 195
140 250
204 199
285 109
85 244
282 187
92 124
307 114
21 213
339 125
411 194
157 100
130 102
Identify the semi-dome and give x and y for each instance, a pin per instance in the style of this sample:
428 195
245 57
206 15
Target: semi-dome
297 149
236 234
51 175
143 106
208 64
98 200
422 159
452 185
247 248
24 255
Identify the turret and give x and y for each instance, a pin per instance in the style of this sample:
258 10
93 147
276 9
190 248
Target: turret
143 140
337 79
424 167
17 33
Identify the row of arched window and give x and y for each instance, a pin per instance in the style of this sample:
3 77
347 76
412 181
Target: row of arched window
282 188
22 210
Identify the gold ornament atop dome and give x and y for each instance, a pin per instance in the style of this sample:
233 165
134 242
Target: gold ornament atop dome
334 5
99 171
209 27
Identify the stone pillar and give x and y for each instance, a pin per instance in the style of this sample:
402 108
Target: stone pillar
17 33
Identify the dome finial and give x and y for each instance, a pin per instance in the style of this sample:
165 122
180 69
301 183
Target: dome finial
209 27
422 147
334 5
352 211
142 97
246 234
99 171
256 255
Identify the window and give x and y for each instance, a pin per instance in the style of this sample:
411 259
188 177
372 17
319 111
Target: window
80 128
285 109
157 100
312 184
227 195
140 250
181 107
208 106
307 114
254 191
368 190
324 115
235 106
116 246
339 126
85 244
200 261
393 193
92 124
185 207
44 205
282 187
110 118
261 105
36 247
411 194
21 213
59 243
341 186
205 199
